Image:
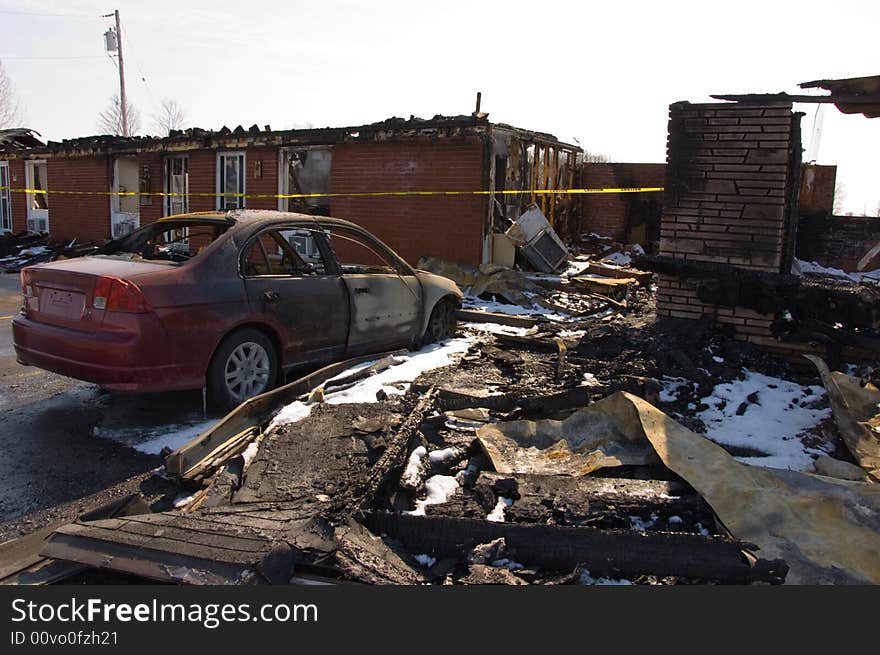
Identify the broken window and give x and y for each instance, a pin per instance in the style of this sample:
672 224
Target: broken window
272 253
166 241
358 255
36 178
176 185
306 171
230 180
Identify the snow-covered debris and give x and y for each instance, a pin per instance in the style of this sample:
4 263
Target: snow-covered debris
426 560
670 388
444 456
412 472
640 525
801 267
618 259
768 415
587 579
438 489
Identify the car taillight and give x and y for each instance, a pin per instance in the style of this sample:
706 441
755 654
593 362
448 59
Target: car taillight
116 295
27 283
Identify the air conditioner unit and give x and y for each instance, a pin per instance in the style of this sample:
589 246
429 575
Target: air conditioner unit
37 225
121 228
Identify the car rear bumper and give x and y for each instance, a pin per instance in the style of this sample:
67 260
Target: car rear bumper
119 361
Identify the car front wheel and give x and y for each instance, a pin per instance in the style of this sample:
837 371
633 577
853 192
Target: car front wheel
245 365
442 323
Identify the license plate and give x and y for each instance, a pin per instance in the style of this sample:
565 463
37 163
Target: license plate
67 304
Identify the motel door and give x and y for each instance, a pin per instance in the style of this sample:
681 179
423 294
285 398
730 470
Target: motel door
5 205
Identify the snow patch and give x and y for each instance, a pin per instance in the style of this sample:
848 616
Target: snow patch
407 369
784 410
497 513
151 441
438 489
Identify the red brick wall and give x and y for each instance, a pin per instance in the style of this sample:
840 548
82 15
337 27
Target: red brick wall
267 183
152 211
446 227
202 166
611 214
82 217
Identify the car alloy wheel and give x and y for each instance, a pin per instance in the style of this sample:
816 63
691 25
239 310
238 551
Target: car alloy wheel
247 371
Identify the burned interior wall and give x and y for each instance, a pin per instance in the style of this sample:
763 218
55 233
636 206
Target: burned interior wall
816 195
839 241
627 217
733 176
446 227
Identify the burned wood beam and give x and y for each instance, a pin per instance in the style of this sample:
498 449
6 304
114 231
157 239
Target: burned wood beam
569 399
473 316
393 458
612 553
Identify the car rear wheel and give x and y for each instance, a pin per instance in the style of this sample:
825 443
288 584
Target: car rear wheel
441 324
245 365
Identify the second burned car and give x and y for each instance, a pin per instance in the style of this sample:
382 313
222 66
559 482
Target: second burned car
227 301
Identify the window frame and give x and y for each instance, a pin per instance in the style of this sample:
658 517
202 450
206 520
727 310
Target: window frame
221 180
167 186
5 195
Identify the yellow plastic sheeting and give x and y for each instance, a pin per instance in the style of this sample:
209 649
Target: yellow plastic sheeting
590 439
827 530
857 414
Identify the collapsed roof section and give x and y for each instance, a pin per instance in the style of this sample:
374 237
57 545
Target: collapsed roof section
19 138
854 95
239 137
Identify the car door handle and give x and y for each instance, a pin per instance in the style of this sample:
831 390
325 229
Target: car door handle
270 296
360 290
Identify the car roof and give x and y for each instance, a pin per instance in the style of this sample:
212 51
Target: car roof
251 217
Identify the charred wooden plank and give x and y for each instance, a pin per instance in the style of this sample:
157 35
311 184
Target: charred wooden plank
613 553
574 500
247 417
569 399
22 563
473 316
136 560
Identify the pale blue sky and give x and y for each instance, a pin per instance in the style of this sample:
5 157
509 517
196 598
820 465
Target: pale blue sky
601 74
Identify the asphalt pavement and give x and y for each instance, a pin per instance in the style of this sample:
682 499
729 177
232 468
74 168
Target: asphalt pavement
62 439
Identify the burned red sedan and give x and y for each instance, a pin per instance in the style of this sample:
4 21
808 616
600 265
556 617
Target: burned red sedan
227 302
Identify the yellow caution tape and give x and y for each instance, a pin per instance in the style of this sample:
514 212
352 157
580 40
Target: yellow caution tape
365 194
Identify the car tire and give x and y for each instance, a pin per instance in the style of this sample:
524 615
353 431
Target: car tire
442 323
245 365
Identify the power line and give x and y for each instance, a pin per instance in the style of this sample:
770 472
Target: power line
66 57
32 13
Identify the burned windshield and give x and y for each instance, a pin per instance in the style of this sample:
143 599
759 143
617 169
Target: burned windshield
168 241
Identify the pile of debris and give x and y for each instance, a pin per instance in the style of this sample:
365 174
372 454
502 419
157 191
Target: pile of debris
509 466
29 248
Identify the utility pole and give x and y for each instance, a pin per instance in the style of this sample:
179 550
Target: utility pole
123 109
